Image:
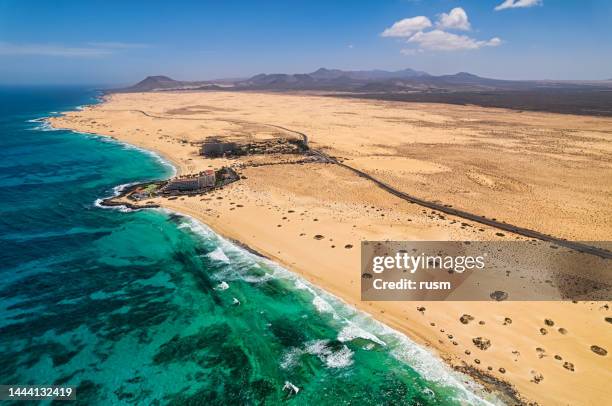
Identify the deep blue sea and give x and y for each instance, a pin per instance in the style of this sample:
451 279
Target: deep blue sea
149 307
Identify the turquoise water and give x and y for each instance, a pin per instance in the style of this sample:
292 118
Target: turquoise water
149 307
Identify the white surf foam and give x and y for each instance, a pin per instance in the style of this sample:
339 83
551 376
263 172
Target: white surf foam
291 357
222 286
351 331
219 255
43 124
341 358
291 388
116 192
321 305
332 359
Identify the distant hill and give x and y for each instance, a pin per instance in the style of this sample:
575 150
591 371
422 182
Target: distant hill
330 79
576 97
366 75
158 83
363 81
153 83
360 81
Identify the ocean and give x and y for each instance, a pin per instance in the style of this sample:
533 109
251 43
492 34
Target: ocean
150 307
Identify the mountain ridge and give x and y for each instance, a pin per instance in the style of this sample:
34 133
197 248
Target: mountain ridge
377 80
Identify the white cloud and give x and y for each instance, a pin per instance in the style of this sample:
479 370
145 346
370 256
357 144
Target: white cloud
438 40
51 50
494 42
407 27
518 4
456 19
424 37
118 45
91 50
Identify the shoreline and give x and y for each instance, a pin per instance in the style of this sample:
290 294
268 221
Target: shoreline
481 384
388 314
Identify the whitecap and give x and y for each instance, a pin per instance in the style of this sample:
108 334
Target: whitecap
340 359
222 286
352 331
332 359
219 255
321 305
291 388
291 357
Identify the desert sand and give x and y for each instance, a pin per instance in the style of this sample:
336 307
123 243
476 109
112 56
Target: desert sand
548 172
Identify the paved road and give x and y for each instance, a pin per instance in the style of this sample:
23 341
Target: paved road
588 249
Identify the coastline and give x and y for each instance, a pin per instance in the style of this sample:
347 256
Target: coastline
395 316
483 389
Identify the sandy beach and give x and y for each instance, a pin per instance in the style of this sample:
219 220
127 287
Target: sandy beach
547 172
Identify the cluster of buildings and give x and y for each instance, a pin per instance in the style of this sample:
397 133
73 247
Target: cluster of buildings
204 180
215 148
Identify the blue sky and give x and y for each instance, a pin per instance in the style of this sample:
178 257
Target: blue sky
117 42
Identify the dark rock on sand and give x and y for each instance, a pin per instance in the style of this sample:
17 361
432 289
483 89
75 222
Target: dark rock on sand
481 343
536 377
543 331
466 318
499 295
599 351
569 366
549 322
